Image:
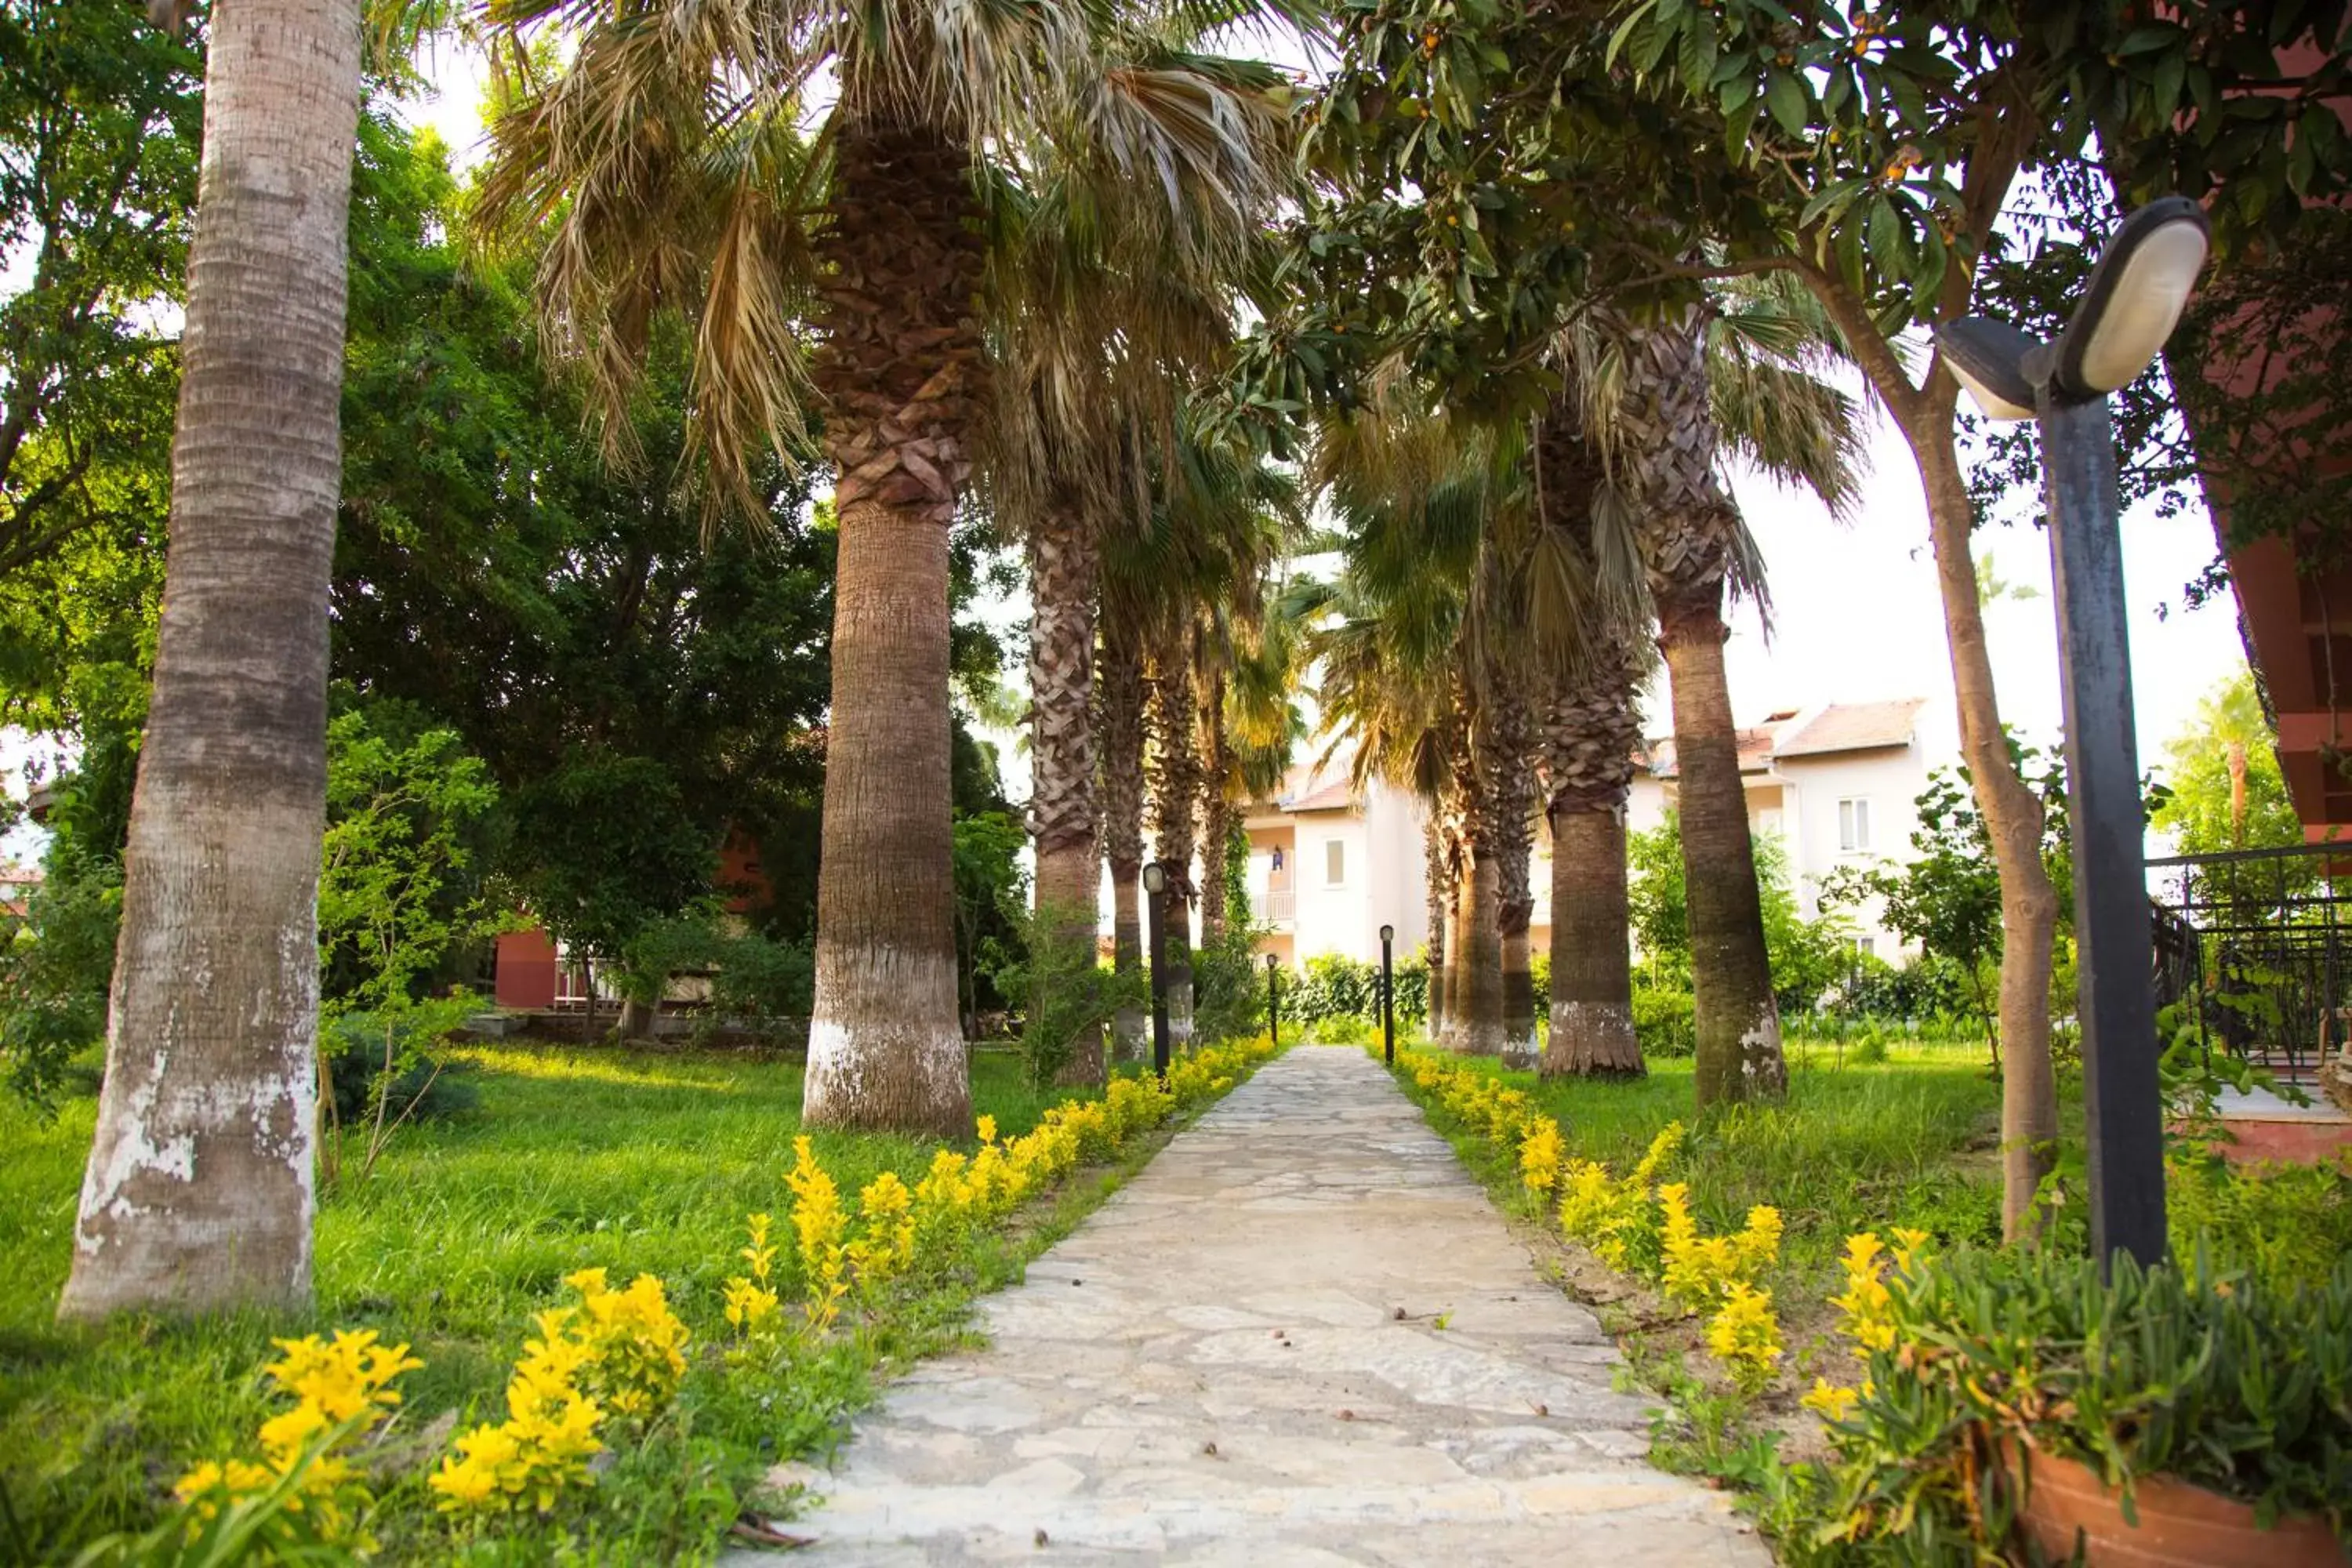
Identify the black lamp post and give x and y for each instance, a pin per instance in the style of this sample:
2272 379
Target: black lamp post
1388 996
1155 915
2135 299
1273 1002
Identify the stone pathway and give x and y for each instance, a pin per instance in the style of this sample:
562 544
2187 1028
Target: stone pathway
1212 1369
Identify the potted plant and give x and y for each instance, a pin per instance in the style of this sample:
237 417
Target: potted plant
2157 1416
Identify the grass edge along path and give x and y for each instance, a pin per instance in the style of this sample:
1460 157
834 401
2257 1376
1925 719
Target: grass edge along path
626 1434
1929 1321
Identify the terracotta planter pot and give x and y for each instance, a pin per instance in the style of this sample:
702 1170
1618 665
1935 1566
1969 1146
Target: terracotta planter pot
2180 1525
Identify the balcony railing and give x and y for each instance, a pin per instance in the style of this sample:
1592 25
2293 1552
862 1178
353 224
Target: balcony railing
1276 909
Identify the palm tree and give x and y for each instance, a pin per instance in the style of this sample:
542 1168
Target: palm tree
1593 734
1093 348
1629 493
198 1193
1120 693
668 160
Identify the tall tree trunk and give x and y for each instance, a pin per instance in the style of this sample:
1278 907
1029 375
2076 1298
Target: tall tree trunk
886 1047
1511 769
1591 733
1478 927
1591 736
2014 820
1063 572
1217 814
1689 531
1737 1021
1122 691
1175 800
1439 869
198 1194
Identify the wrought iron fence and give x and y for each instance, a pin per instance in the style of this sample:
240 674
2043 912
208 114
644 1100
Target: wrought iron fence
2251 946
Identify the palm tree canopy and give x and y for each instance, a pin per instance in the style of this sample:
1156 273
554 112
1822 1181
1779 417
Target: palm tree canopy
677 159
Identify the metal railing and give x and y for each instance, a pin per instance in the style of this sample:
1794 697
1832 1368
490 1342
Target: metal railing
1277 908
2256 946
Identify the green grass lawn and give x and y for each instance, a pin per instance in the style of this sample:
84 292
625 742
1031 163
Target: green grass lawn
570 1157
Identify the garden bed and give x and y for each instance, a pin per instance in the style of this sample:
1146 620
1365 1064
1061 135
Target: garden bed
567 1158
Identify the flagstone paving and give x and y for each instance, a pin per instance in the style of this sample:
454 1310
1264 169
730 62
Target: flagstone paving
1301 1335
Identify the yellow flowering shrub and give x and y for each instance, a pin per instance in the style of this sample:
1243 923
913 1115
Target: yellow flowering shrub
342 1389
752 1305
818 1224
886 1242
1615 1216
636 1346
1829 1401
1540 1152
1745 1336
542 1447
1699 1269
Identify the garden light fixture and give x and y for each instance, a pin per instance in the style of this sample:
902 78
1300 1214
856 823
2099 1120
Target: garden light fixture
1388 996
2133 301
1155 916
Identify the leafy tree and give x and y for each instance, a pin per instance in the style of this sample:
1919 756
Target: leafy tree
1496 167
2223 787
1945 900
98 131
1807 956
400 891
635 688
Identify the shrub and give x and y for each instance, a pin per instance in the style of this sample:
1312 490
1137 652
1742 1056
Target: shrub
413 1084
56 960
1665 1021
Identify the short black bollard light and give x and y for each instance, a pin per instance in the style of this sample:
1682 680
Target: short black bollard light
2134 300
1388 996
1155 915
1273 1001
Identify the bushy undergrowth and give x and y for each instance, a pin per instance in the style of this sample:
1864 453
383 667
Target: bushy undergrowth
582 1169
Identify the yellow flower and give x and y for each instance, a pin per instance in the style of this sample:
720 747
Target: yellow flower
1540 1157
1829 1400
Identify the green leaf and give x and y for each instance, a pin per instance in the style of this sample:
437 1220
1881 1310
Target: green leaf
1786 96
1633 19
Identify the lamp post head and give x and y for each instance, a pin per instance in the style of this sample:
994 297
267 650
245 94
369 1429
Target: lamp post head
1388 934
1270 961
2134 301
1155 876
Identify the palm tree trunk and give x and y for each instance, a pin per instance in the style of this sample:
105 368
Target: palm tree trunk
1439 869
1737 1021
1175 799
1217 815
1511 769
198 1196
1478 928
886 1048
1122 805
1590 735
1689 529
1063 571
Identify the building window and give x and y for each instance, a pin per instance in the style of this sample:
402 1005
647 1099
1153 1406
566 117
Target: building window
1854 826
1866 946
1335 862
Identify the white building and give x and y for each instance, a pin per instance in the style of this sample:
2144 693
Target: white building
1329 866
1836 784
